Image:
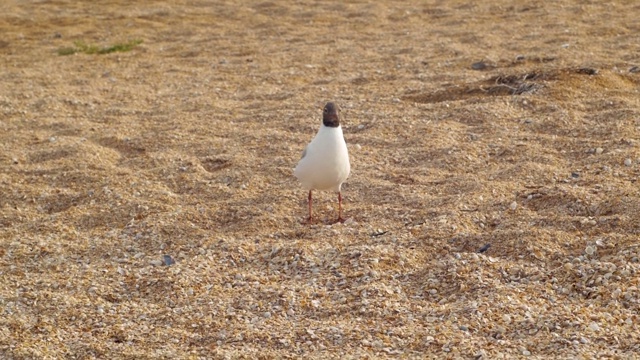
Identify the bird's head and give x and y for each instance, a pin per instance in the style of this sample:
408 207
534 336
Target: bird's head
330 115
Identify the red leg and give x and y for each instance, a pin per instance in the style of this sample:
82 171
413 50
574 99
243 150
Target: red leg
310 218
340 219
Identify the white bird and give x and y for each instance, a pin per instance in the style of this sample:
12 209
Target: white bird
325 162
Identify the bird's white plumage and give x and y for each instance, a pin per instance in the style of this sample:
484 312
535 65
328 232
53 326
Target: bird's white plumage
325 162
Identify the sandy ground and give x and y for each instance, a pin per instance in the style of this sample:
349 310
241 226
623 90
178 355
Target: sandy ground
468 122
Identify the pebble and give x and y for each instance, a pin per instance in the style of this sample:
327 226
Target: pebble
429 339
168 260
627 162
480 65
594 326
590 250
599 150
513 206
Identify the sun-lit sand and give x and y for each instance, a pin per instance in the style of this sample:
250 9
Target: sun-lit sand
470 125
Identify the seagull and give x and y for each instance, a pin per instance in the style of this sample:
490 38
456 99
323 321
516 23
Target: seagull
325 161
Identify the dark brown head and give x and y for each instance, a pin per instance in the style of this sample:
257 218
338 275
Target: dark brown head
330 115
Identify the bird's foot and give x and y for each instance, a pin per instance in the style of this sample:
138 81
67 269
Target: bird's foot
307 221
339 220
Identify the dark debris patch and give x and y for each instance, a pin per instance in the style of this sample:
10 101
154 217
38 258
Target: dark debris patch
484 248
501 85
167 260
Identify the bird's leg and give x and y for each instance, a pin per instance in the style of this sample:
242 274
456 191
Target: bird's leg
310 218
340 219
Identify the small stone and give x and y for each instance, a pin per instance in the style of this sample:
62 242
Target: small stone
526 353
513 206
463 328
627 162
156 262
506 318
575 175
480 65
634 69
484 248
429 339
599 150
594 326
168 260
52 139
590 250
266 314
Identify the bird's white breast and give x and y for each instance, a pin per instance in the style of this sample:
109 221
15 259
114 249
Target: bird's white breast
325 165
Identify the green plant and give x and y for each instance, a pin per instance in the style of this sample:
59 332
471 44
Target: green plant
82 47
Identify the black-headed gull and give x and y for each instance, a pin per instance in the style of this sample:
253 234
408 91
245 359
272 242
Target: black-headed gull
325 162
